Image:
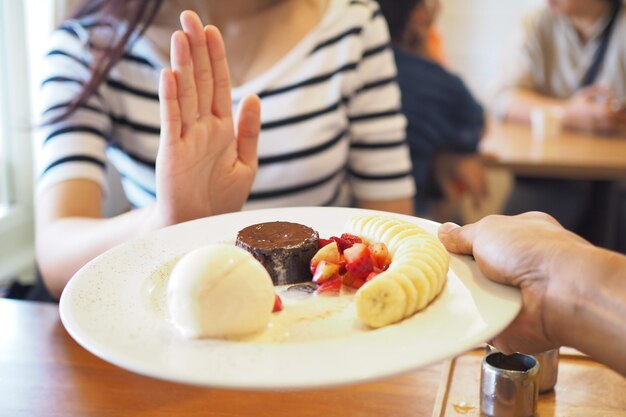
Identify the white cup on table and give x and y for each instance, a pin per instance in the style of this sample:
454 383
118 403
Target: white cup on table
546 122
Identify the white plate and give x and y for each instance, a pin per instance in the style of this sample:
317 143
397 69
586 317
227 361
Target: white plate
114 307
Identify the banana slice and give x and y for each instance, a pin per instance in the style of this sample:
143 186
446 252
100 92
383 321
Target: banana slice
357 223
426 252
415 277
409 290
431 270
422 285
400 239
380 302
373 228
393 231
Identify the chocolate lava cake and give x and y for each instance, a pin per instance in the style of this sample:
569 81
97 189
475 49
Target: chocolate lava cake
285 249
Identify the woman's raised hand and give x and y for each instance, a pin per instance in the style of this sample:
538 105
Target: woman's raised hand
205 166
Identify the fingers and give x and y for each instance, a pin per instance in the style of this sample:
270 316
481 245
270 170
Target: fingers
222 103
203 75
185 83
595 91
248 129
458 239
170 111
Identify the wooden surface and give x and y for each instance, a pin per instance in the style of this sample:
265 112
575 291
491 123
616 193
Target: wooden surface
43 372
572 155
584 388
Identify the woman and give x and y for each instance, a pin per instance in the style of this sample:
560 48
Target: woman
445 122
572 55
328 106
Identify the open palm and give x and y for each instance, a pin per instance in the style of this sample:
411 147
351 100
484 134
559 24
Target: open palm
205 165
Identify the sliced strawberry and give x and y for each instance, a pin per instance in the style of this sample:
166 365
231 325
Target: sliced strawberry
358 261
358 283
278 304
350 280
328 253
332 286
380 255
342 244
325 271
372 275
356 252
351 238
324 242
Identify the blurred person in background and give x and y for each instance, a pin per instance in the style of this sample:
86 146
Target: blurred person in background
571 55
445 122
314 82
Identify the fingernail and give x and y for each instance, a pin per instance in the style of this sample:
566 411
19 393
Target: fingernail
448 227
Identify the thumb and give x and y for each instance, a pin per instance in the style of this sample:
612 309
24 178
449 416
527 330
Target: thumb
458 239
248 129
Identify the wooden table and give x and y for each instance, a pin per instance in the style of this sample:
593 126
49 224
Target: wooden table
43 372
573 155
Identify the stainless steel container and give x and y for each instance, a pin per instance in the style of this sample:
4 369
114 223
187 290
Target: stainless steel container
548 369
509 385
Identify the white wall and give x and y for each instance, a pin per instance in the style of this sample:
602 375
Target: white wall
476 34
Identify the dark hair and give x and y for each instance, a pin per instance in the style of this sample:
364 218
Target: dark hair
138 13
397 14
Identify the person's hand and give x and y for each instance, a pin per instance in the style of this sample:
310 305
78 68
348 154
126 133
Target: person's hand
458 174
522 251
592 109
205 166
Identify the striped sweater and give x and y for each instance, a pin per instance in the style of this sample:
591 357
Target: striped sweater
331 125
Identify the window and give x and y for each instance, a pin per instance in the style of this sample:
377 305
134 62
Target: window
5 196
16 218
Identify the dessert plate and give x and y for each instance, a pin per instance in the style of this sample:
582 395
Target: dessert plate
115 308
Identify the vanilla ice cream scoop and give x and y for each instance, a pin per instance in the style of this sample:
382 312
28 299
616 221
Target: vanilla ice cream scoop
219 291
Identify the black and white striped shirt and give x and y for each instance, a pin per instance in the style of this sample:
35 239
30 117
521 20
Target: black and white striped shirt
330 114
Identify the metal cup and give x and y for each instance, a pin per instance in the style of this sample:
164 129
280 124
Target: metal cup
509 385
548 369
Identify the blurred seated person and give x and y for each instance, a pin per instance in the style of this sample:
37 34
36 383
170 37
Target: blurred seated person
572 55
445 122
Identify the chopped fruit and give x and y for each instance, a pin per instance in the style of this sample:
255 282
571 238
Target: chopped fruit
332 286
341 243
325 271
349 280
358 261
372 275
278 304
329 253
380 255
347 260
324 242
351 238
